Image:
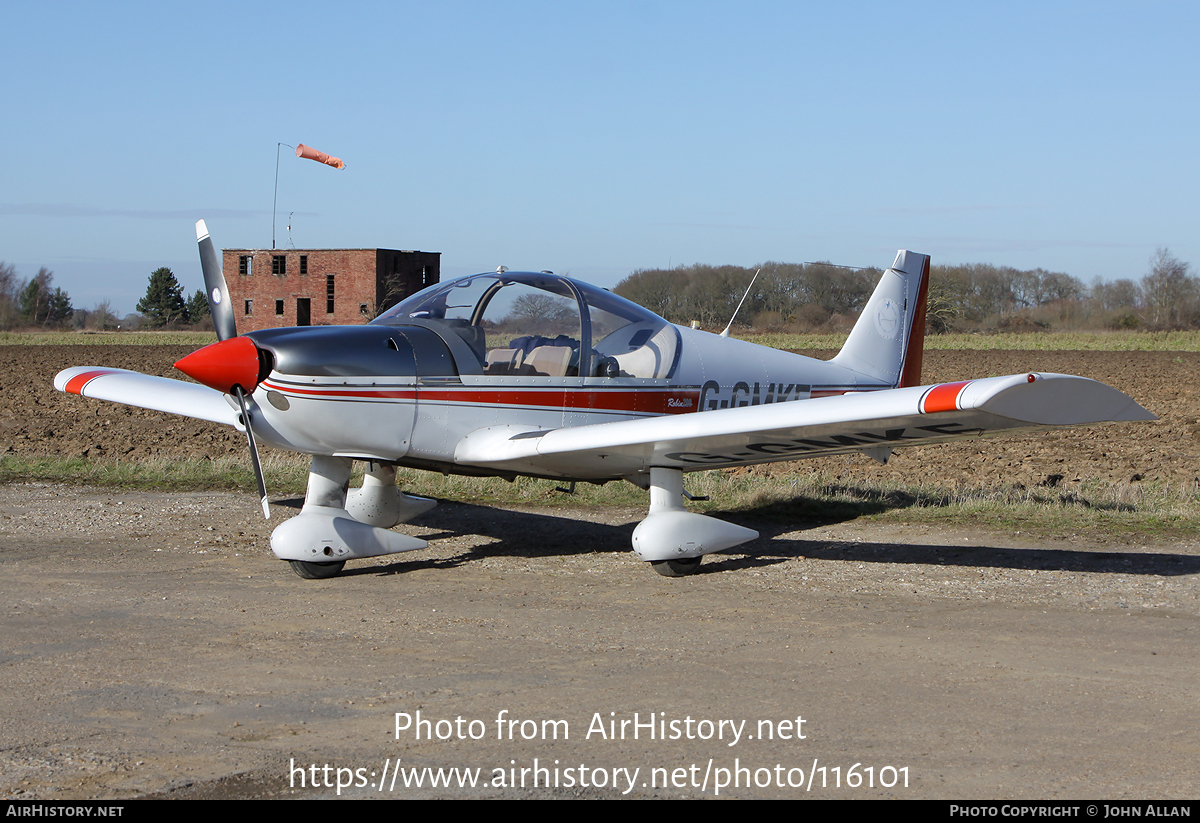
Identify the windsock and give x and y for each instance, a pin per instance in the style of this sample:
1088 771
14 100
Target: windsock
321 157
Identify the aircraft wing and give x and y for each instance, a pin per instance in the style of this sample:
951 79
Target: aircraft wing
148 392
871 422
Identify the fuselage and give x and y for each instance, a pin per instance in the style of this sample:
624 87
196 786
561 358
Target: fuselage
457 359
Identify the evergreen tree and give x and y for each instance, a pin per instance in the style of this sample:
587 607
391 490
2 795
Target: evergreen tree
32 301
197 306
60 309
39 303
163 302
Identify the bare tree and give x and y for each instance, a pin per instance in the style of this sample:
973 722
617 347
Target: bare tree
1119 294
940 308
8 295
102 317
1169 292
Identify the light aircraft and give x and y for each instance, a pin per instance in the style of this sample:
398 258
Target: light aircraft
534 374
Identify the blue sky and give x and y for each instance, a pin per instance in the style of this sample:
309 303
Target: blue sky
599 138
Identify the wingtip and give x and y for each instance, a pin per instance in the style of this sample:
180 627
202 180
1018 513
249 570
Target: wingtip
1135 412
201 230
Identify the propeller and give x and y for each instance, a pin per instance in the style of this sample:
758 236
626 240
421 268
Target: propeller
219 304
233 364
258 472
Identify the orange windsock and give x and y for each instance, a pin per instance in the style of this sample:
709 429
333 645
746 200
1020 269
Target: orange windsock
321 157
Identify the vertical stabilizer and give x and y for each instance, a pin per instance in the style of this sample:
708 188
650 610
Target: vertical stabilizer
887 342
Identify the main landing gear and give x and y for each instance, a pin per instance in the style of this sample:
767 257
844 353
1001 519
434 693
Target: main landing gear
336 524
672 539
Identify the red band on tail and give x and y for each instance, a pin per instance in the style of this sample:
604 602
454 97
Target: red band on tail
911 376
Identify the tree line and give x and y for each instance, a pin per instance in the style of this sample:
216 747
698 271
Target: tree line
37 302
825 297
785 296
32 302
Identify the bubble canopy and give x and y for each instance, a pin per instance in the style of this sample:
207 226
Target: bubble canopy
544 325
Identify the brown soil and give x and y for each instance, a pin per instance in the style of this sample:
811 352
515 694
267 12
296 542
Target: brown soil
37 420
1166 383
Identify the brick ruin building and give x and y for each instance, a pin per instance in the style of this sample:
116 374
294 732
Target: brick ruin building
322 287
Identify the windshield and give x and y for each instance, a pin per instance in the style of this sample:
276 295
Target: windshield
543 325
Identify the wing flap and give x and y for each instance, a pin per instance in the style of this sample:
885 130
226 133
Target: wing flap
807 428
148 392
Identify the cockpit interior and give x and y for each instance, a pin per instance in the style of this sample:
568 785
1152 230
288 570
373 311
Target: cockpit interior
542 325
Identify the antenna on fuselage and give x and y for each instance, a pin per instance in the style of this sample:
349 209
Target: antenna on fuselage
275 201
739 305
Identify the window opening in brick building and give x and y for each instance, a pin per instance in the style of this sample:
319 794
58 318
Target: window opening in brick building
278 264
304 264
244 263
303 312
329 294
249 306
279 307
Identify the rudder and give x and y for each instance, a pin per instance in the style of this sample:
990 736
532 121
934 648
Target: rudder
888 341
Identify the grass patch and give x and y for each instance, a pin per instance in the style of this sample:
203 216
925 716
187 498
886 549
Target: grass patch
797 499
1150 509
287 475
284 473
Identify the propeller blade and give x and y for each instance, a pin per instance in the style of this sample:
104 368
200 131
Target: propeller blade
219 304
258 473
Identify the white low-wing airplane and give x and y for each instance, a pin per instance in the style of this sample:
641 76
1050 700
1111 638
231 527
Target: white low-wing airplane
534 374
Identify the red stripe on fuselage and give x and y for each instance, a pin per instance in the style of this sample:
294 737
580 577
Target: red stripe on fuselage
630 400
75 384
653 401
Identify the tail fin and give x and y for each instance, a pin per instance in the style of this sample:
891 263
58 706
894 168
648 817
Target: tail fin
888 341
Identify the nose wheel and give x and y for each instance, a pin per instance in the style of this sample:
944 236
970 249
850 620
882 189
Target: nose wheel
318 541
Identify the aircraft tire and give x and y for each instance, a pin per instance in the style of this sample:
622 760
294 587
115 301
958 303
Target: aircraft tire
676 568
316 571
